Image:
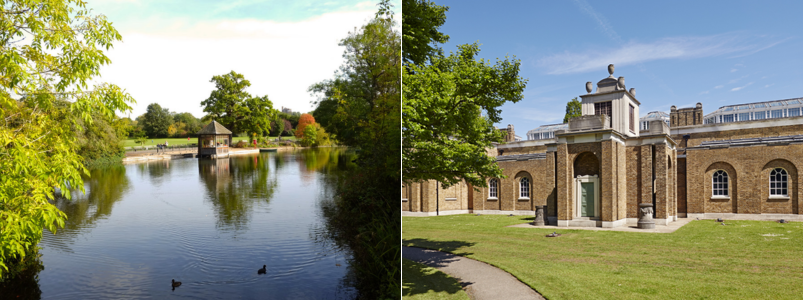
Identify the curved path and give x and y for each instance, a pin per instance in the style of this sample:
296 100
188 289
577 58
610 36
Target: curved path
480 280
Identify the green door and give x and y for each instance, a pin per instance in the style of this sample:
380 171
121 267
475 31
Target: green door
587 199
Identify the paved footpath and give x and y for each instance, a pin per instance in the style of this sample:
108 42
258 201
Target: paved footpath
480 280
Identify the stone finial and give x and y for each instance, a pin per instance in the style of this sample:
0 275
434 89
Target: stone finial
673 108
633 91
621 83
699 105
610 69
589 87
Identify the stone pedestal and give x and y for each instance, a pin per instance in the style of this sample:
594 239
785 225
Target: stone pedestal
539 216
645 220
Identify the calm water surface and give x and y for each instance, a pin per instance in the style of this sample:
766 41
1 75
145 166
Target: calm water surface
207 223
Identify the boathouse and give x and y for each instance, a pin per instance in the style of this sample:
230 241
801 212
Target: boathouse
213 141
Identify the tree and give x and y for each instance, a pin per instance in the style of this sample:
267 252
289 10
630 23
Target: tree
230 105
573 109
50 51
191 124
448 114
310 136
365 98
303 121
156 121
420 22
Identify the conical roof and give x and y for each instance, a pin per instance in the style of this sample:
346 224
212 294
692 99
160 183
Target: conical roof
214 128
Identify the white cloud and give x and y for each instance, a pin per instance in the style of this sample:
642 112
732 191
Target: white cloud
173 67
741 87
719 86
635 52
734 70
703 93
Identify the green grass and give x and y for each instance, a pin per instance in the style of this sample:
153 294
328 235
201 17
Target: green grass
701 260
184 141
420 282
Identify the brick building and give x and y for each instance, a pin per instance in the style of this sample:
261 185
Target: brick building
598 169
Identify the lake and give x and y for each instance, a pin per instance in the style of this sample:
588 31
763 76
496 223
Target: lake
210 224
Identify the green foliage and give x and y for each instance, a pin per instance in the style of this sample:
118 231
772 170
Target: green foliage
363 102
314 135
230 105
573 109
191 124
448 114
62 53
420 22
156 121
99 141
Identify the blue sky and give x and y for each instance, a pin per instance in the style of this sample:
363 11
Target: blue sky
171 49
674 53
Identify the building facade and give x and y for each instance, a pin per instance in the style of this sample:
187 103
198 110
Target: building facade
596 170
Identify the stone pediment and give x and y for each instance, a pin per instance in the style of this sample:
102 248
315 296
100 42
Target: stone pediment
607 85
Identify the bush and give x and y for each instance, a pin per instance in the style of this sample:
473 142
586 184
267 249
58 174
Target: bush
241 144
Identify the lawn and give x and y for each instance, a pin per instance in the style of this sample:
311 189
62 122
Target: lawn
420 282
701 260
184 141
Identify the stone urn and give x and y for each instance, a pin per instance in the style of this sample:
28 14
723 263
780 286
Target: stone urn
633 91
539 216
589 87
621 82
645 220
610 69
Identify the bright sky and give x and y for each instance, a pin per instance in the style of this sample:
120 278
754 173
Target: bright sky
171 48
673 52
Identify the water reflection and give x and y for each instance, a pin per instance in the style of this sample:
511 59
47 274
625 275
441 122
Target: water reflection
138 226
235 185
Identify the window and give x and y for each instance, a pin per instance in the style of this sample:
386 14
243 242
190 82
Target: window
645 125
793 112
719 185
778 113
604 108
744 116
778 181
727 118
492 191
759 115
524 188
632 119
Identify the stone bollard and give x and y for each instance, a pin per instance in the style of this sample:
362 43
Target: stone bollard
539 216
645 220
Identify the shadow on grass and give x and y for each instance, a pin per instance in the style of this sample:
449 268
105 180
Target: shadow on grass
444 246
418 279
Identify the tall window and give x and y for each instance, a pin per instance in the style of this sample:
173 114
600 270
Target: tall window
720 183
727 118
604 108
632 119
492 191
793 112
778 182
744 116
759 115
524 187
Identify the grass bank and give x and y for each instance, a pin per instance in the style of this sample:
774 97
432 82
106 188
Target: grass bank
702 260
184 141
420 282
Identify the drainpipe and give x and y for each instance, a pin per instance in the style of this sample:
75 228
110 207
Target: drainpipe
654 208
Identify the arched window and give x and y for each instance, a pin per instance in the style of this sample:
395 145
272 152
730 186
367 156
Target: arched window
524 188
719 185
492 191
778 182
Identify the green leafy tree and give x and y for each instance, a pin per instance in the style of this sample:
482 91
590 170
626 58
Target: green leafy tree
573 109
310 137
51 51
191 124
448 114
366 99
156 121
230 105
420 36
